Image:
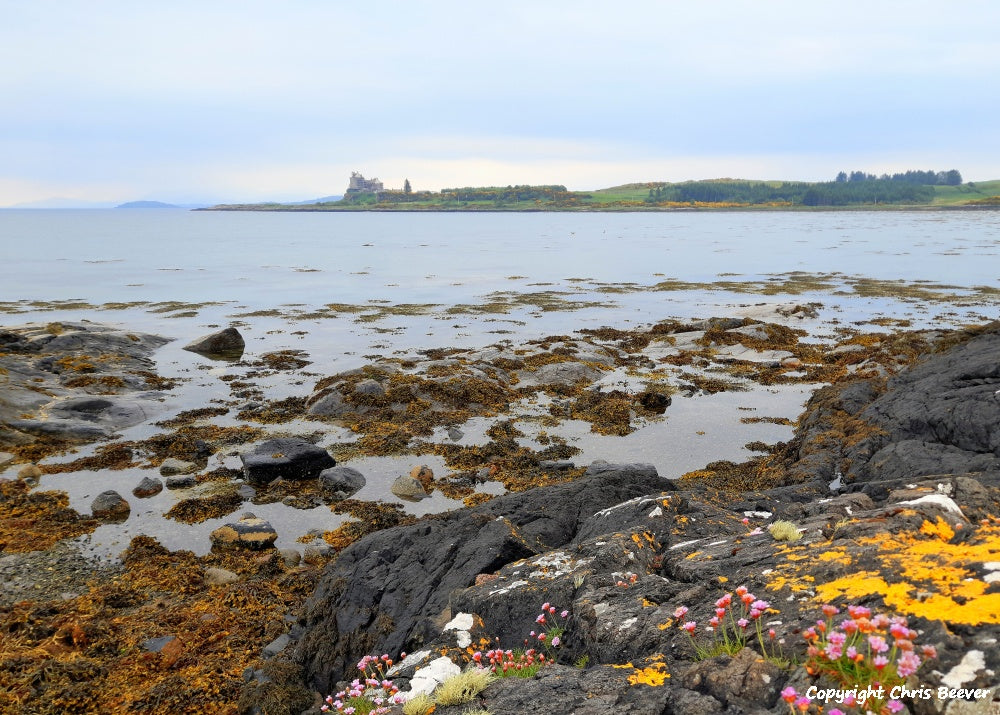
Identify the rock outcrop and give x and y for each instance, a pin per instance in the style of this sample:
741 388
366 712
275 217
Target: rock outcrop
912 531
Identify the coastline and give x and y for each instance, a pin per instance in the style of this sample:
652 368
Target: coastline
274 587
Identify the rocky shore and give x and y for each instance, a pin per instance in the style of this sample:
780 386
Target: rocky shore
890 485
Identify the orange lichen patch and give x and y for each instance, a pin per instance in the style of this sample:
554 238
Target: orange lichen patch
667 624
622 666
723 579
654 675
941 529
31 521
927 577
839 555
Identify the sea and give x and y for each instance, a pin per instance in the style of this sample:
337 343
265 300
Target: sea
346 289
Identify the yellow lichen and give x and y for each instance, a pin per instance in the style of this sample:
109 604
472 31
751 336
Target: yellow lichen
653 675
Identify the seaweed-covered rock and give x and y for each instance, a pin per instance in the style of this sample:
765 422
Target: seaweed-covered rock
286 457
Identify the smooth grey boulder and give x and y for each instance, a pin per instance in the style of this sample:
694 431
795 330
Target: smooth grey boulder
110 506
406 487
341 482
285 457
228 344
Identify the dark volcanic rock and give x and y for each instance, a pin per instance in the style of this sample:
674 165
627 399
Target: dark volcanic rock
287 457
228 344
388 590
938 417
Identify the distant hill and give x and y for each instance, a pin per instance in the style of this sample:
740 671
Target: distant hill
146 205
323 200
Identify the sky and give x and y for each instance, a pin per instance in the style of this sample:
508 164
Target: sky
210 101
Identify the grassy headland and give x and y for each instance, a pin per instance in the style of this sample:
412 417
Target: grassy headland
715 194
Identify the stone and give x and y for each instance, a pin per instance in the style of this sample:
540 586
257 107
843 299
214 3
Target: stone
219 577
227 344
329 404
172 466
110 506
455 434
29 471
406 487
316 553
341 482
249 533
291 557
182 481
148 487
285 457
6 458
369 387
155 645
276 646
565 374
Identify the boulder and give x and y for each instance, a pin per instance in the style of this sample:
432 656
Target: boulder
181 481
406 575
285 457
228 344
172 466
341 482
148 487
219 577
249 533
110 506
406 487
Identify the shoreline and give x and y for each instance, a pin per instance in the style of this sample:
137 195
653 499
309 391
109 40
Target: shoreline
266 586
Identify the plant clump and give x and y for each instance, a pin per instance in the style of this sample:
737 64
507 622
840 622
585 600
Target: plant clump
784 531
463 687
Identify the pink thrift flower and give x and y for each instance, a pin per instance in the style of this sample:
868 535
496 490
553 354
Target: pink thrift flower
880 661
789 694
830 611
556 641
565 614
690 626
929 651
908 664
837 637
894 706
713 621
545 606
760 605
878 644
743 623
681 612
836 711
741 591
833 651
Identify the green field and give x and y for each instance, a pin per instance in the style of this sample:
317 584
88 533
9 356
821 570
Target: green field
958 195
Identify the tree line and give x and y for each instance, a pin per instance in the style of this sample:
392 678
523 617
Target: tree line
910 187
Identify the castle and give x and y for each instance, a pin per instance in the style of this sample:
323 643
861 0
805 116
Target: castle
360 185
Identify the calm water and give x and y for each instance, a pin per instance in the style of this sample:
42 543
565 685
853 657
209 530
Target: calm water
262 259
272 274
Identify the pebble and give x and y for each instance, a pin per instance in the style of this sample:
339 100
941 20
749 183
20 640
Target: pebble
219 577
172 466
181 482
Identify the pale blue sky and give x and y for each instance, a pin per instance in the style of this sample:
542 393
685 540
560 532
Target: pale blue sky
246 101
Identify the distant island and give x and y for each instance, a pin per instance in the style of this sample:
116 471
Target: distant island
855 190
146 205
